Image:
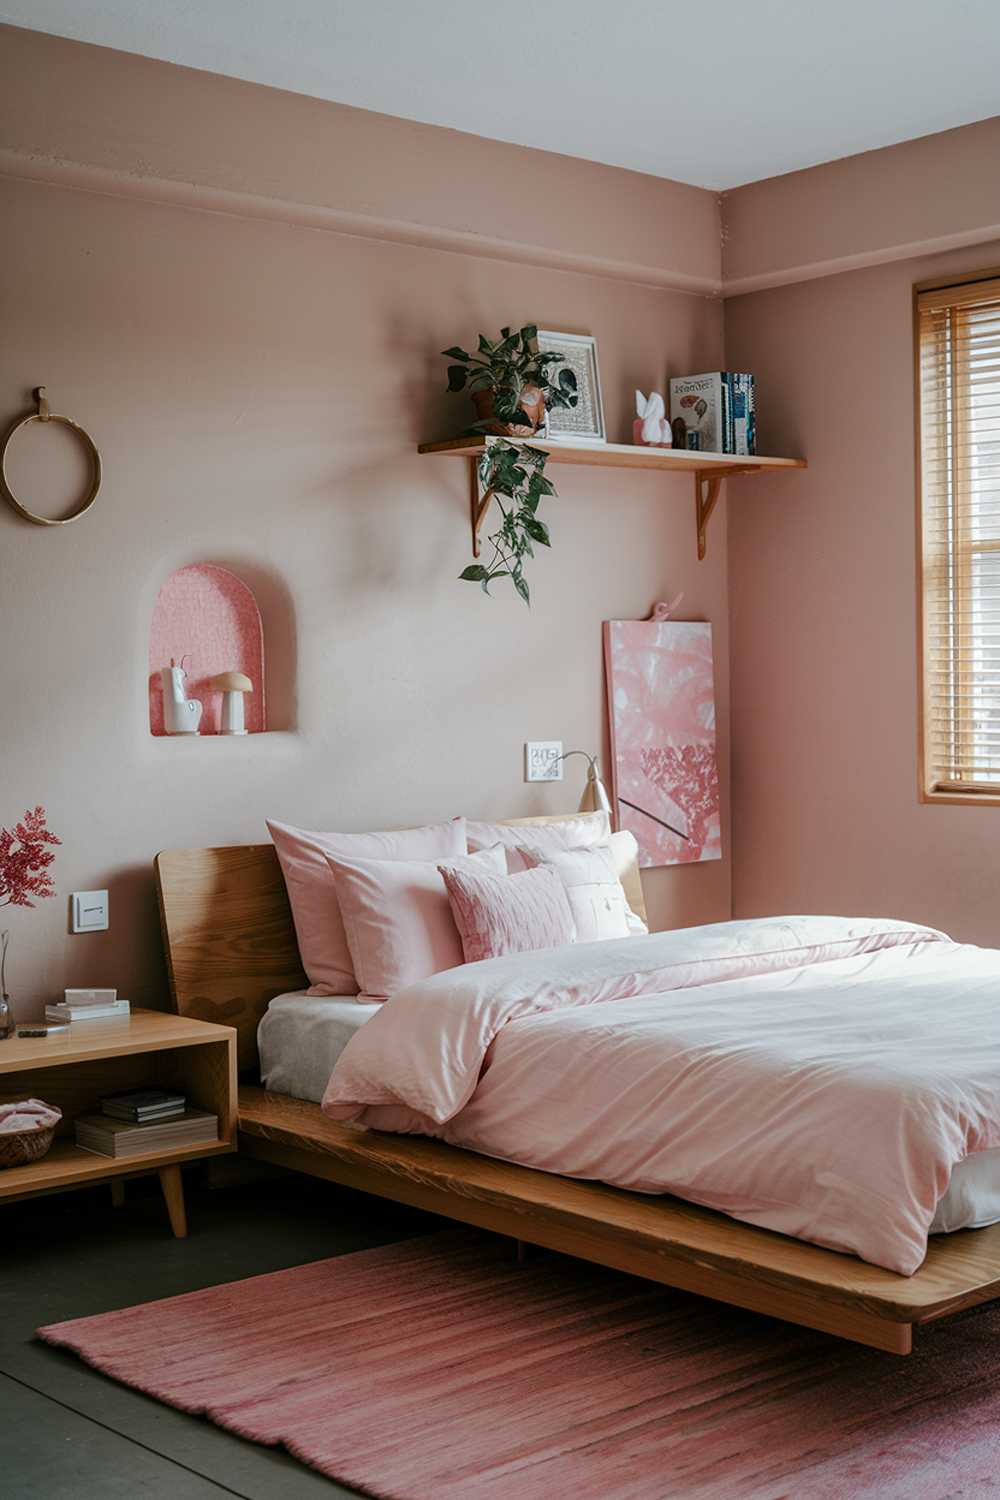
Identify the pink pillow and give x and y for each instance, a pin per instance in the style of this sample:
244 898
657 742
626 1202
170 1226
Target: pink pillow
512 915
553 834
397 918
313 894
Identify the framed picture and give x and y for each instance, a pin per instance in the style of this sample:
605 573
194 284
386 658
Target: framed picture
661 707
584 422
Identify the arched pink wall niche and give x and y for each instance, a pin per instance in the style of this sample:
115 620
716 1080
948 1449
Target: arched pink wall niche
209 615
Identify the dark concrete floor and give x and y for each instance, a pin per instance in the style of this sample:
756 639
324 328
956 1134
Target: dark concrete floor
69 1433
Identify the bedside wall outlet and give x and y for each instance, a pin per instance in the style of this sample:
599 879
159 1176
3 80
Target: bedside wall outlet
90 911
541 760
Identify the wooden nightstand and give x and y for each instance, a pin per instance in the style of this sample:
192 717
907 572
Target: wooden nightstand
73 1069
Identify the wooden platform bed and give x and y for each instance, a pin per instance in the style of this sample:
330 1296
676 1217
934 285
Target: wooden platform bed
231 948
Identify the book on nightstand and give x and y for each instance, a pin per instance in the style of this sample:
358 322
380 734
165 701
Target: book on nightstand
144 1106
124 1138
115 1010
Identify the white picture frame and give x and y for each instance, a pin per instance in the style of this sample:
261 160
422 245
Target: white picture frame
583 423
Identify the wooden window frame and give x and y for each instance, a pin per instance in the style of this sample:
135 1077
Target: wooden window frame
925 793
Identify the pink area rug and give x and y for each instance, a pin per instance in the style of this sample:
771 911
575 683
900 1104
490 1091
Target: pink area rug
440 1368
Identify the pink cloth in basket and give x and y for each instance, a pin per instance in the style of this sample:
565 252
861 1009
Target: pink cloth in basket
28 1114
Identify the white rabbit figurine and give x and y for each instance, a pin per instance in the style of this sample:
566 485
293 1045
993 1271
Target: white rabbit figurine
651 428
181 714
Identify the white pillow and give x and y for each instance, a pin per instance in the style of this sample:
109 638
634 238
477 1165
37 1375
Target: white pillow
626 853
551 835
596 898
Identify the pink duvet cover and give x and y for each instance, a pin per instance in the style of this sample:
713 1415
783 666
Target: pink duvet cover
820 1076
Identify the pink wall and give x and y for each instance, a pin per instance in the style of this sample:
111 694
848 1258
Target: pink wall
120 123
823 619
917 198
257 389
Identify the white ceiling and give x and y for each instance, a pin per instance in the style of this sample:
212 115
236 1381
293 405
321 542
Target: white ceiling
716 93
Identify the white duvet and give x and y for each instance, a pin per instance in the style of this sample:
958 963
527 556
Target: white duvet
820 1076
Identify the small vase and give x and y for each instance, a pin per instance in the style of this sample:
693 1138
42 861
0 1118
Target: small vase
6 1018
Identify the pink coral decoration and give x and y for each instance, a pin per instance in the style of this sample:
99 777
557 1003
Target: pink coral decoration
25 859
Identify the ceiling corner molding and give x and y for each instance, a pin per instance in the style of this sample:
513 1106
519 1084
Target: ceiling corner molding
81 177
739 286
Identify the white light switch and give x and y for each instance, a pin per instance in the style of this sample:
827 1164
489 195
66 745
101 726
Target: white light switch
90 911
542 760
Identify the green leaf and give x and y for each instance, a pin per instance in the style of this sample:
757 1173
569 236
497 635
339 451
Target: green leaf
567 380
485 347
529 333
474 573
520 583
457 376
537 530
456 353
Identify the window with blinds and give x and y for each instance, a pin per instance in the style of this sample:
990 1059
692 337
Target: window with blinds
959 414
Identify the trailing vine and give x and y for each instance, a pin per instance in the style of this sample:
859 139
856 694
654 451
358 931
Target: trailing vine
514 475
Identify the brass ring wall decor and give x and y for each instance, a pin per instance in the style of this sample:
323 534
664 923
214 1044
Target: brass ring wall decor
43 414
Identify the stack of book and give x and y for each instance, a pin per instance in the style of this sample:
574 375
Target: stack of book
144 1106
88 1005
122 1138
714 413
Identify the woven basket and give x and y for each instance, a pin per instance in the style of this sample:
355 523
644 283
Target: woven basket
26 1145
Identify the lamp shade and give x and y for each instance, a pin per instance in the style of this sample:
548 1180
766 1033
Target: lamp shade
595 794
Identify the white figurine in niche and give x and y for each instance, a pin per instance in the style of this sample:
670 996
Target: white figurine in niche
651 428
181 714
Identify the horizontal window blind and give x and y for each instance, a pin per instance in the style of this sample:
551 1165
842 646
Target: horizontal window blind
959 403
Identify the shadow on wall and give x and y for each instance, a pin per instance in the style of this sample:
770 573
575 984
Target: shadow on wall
217 618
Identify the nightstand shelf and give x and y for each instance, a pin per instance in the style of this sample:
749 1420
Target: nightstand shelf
709 469
75 1068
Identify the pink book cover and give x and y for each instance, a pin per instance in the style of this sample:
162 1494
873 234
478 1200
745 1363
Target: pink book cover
661 709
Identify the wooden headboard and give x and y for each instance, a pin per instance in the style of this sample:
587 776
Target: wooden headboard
229 938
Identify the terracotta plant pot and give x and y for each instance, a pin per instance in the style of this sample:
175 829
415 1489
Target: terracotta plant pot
532 403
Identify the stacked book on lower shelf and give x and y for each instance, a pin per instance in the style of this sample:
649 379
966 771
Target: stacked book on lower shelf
145 1120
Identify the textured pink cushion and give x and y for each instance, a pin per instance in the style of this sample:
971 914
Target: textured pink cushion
557 833
513 914
313 894
590 880
397 917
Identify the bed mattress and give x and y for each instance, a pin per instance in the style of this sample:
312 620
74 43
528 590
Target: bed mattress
301 1037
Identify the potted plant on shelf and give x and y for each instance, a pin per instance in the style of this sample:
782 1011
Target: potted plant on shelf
515 473
24 872
511 383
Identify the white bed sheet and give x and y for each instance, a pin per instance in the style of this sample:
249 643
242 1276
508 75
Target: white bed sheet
301 1037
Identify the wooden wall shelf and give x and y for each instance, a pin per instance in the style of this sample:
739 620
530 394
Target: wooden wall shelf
709 469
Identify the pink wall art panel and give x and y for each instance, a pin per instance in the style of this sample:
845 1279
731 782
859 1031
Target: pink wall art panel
206 614
661 701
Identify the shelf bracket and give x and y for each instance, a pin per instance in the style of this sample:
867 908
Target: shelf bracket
479 504
707 487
